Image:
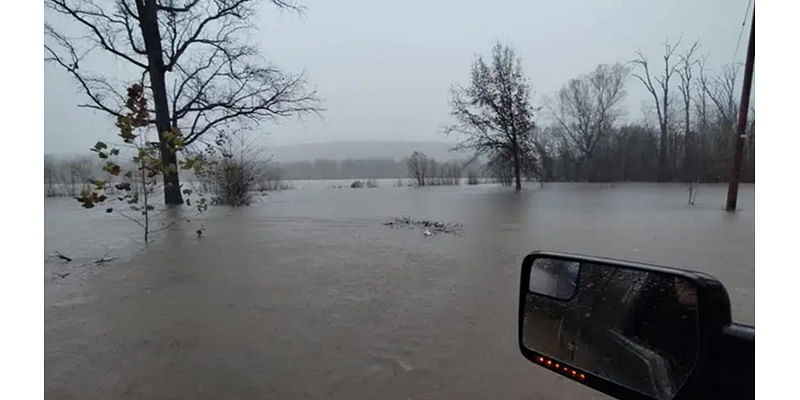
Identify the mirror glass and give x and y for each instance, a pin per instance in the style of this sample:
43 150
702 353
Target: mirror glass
636 328
554 278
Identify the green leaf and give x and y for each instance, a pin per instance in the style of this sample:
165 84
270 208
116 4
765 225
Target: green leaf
128 174
114 152
123 186
112 168
100 146
99 184
86 199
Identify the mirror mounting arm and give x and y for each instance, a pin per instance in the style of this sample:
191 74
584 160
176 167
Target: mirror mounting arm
737 360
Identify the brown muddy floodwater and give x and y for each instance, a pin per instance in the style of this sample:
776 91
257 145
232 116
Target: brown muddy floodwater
305 294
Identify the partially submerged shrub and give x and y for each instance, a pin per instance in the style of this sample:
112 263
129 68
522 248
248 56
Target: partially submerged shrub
239 171
232 182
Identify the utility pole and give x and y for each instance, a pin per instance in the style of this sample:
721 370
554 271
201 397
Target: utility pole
741 125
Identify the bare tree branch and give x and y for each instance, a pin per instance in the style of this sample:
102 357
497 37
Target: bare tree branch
97 21
97 89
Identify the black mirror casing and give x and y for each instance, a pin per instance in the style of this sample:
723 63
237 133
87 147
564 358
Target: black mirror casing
713 313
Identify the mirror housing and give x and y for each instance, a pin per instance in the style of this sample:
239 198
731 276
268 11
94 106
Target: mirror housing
556 279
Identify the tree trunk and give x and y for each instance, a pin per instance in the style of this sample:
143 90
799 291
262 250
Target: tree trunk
674 162
688 162
152 38
662 154
663 161
515 150
146 211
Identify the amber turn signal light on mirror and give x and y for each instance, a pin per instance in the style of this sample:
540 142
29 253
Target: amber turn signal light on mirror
565 370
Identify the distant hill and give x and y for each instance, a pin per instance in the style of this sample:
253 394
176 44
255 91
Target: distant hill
364 149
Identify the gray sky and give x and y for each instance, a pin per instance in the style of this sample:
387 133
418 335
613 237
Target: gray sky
384 68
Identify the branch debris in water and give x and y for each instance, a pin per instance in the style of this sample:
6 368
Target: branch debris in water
104 260
428 227
63 257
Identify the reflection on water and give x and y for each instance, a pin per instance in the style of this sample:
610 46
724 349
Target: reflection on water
306 294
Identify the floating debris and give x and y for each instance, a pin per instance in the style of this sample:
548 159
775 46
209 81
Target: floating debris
104 260
429 228
62 257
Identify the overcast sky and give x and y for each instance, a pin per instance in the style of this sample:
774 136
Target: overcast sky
384 68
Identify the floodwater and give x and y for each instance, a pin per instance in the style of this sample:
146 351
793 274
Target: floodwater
306 294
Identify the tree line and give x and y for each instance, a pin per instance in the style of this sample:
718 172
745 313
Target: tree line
67 176
578 135
426 171
371 167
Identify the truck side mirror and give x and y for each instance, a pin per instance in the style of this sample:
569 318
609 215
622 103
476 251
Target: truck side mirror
629 330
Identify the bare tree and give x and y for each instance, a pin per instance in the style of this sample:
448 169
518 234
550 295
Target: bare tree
701 97
194 57
452 172
661 98
686 68
720 118
418 167
493 114
80 170
442 174
587 108
721 90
